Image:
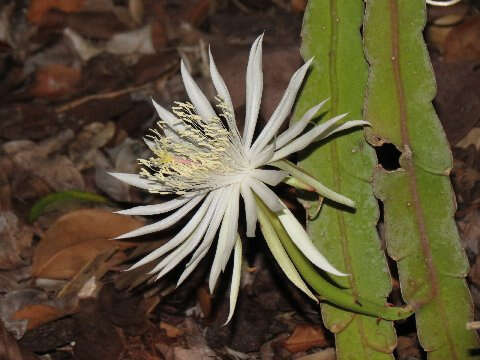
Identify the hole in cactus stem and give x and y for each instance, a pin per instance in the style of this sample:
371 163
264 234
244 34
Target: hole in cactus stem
388 156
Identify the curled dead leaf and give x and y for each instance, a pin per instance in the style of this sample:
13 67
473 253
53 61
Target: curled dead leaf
77 238
305 337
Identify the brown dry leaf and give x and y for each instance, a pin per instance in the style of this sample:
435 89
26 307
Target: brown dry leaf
204 299
305 337
77 238
55 80
38 314
39 8
9 349
170 330
14 238
462 42
472 138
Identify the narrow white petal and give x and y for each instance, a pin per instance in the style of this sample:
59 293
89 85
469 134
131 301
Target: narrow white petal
224 94
254 88
250 209
270 177
179 237
348 125
170 119
198 99
301 239
226 237
297 128
176 256
204 247
213 227
280 255
157 208
306 139
309 180
264 157
267 195
236 275
164 223
283 109
134 180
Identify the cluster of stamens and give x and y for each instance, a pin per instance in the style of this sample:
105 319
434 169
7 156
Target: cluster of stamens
196 159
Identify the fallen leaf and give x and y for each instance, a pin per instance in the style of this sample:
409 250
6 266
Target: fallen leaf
462 42
472 138
38 314
55 80
39 8
14 238
9 349
305 337
77 238
170 330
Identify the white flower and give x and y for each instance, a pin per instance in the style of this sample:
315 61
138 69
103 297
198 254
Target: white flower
203 159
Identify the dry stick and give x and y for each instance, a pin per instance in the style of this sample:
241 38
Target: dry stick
113 94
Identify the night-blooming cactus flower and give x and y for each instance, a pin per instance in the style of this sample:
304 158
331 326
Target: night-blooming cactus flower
203 159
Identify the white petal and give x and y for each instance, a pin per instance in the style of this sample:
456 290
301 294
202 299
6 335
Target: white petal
301 239
202 250
175 257
250 209
254 85
155 209
236 275
170 119
283 109
223 92
198 99
264 157
280 255
306 139
134 180
297 128
226 237
270 177
267 195
179 237
309 180
213 227
164 223
348 125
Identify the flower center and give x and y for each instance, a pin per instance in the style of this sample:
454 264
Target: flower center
200 157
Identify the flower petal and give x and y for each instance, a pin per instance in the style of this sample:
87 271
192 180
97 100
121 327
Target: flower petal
297 128
280 255
202 250
134 180
348 125
309 180
155 209
267 195
176 256
301 239
224 94
226 237
250 209
198 99
180 236
254 85
164 223
281 112
306 139
264 157
236 276
270 177
170 119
